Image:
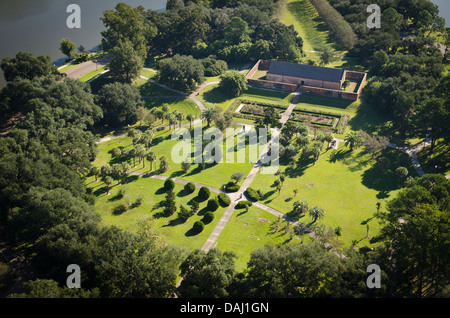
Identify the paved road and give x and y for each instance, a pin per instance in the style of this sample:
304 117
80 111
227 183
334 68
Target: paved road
87 67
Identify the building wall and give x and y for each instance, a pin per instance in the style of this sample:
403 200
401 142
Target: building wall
307 81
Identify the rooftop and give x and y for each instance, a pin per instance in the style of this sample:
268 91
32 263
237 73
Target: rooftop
306 71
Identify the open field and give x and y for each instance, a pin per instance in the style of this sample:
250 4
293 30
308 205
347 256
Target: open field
347 185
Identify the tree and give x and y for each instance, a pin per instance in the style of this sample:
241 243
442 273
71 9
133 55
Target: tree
373 144
151 157
291 271
153 265
416 230
233 83
207 274
237 176
352 140
127 24
26 66
181 72
119 103
208 115
67 47
184 214
316 212
126 63
185 166
326 57
169 203
237 31
191 118
301 206
163 164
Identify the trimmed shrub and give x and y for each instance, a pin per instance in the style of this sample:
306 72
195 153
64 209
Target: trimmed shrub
189 187
224 200
232 187
213 205
243 204
253 194
208 217
204 193
198 226
169 184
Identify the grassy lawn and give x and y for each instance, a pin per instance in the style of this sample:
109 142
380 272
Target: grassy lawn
311 28
215 175
92 74
152 191
212 94
347 185
248 231
147 88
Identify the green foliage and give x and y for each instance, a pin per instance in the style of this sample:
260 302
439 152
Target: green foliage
207 274
169 184
169 203
212 205
26 66
120 103
208 217
204 193
233 83
252 194
126 23
336 23
224 199
214 67
67 47
126 64
232 187
189 187
198 226
184 214
181 72
243 204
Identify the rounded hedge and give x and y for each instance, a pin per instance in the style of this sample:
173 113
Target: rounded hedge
213 205
189 187
208 217
253 194
224 199
204 193
198 226
243 204
169 184
232 187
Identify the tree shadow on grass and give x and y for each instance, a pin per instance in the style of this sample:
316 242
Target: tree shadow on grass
191 232
299 170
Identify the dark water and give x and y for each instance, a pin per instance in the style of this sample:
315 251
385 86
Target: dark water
37 26
444 10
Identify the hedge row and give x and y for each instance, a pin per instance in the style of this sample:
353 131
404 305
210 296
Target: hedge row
336 22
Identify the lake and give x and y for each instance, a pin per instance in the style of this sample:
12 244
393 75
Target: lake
38 26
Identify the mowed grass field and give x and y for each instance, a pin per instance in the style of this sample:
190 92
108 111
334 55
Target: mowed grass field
152 192
347 185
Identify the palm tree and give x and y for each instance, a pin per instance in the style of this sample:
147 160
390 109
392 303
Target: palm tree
108 181
140 152
191 118
302 140
151 157
352 139
208 114
301 206
125 167
179 116
316 212
147 138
